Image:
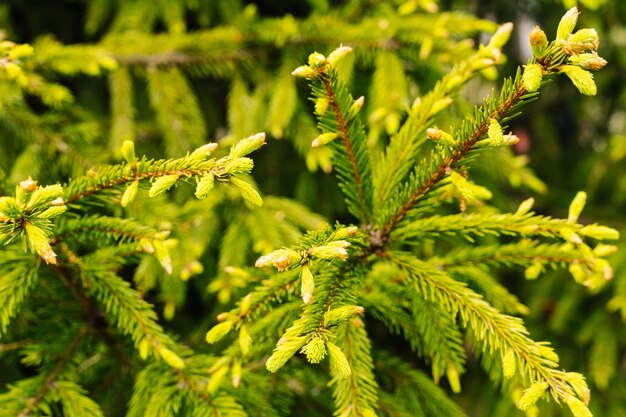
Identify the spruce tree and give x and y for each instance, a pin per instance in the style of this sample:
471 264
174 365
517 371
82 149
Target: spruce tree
418 261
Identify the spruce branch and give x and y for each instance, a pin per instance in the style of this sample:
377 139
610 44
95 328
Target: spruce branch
422 396
479 277
469 225
16 284
430 331
493 330
166 172
444 159
405 146
356 395
102 228
338 119
48 382
557 57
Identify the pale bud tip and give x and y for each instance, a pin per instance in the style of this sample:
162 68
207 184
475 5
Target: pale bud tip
28 185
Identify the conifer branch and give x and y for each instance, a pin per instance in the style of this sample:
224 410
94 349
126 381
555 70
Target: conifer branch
347 143
514 254
51 377
93 316
405 145
478 276
467 225
428 175
338 119
167 172
103 227
16 284
430 331
356 395
415 388
559 56
495 331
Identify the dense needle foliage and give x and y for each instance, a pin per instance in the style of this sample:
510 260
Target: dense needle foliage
127 282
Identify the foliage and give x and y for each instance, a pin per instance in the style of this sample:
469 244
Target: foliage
122 275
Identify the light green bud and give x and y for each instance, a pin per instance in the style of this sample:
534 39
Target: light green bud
304 71
538 42
583 40
130 193
502 35
588 61
341 314
162 253
162 184
321 105
9 207
358 104
13 70
285 349
525 207
576 207
548 353
600 232
494 132
437 135
317 60
245 341
440 105
44 195
107 62
21 51
329 252
247 145
144 348
52 212
337 55
452 373
577 382
532 395
128 151
324 139
577 407
218 332
281 259
345 232
38 241
204 185
604 250
339 366
171 358
567 24
533 271
240 166
236 372
509 364
315 350
307 284
204 151
462 185
578 272
216 379
532 76
582 79
249 194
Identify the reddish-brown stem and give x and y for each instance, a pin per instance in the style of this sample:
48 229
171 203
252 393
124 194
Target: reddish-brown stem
343 129
451 160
